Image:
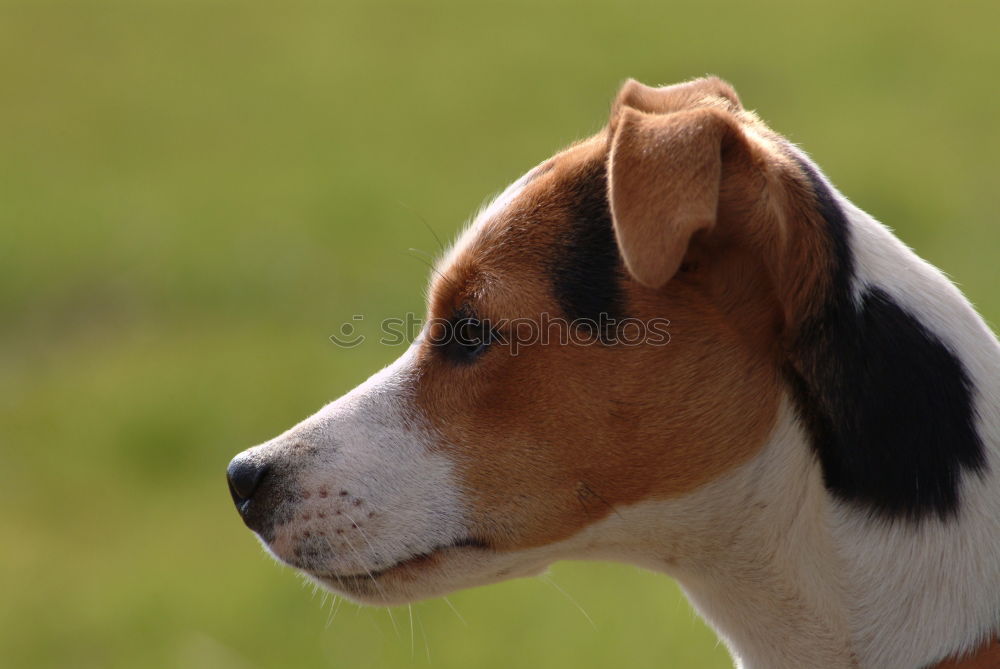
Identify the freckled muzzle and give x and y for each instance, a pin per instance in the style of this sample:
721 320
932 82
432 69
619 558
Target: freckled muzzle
305 526
330 523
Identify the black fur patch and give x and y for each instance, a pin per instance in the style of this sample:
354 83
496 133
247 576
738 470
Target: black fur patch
888 407
587 271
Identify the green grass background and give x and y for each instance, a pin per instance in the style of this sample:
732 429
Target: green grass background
194 195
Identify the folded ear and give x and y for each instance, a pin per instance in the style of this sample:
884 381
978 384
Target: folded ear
664 179
705 92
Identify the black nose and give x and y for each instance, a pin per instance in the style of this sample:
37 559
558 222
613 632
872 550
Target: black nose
244 474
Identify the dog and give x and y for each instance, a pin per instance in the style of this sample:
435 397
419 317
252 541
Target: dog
813 454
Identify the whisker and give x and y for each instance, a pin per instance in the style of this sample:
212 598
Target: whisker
334 607
421 252
546 579
427 646
409 608
392 619
336 610
361 562
424 221
364 536
435 270
388 610
335 600
452 607
375 582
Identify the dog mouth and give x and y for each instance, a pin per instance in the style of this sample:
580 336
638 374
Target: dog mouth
412 562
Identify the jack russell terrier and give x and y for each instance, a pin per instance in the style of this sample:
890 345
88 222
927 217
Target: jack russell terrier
814 455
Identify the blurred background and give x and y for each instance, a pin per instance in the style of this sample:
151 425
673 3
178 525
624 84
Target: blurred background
195 195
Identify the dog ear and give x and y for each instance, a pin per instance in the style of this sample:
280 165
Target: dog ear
664 180
710 91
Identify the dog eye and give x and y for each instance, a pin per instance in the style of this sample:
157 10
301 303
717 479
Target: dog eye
472 335
467 339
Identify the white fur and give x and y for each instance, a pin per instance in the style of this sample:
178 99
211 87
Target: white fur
370 445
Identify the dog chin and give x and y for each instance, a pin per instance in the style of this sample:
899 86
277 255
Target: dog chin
426 576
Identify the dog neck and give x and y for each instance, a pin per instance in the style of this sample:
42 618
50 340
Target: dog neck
765 568
791 577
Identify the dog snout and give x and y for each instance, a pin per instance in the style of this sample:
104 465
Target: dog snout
245 474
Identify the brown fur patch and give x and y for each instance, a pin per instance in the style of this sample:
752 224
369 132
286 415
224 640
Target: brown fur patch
706 92
987 657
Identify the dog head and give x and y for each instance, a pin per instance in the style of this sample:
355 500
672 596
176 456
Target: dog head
609 332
